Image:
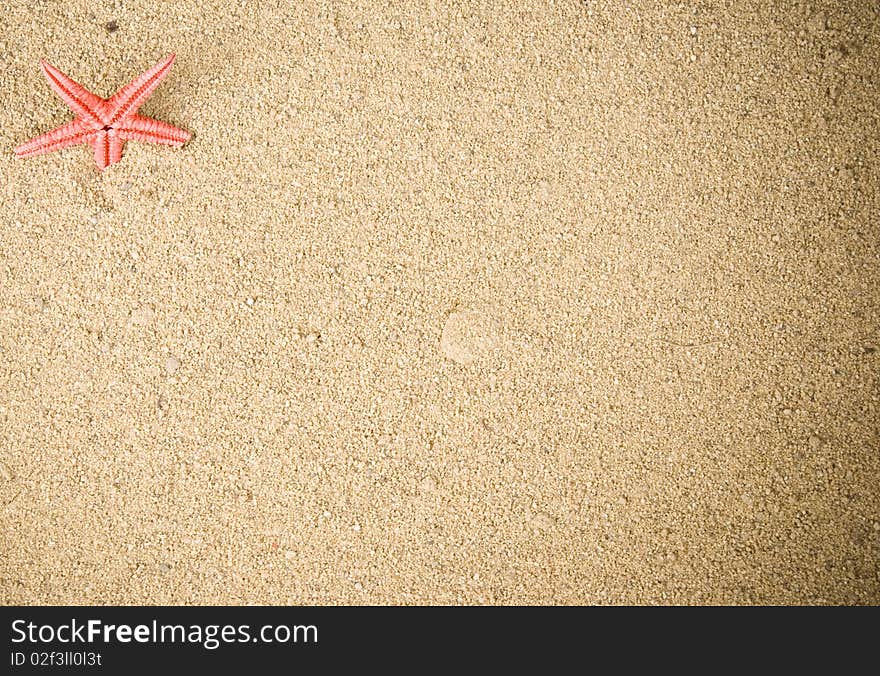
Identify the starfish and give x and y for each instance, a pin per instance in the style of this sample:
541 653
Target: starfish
105 124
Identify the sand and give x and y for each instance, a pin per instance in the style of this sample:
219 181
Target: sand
454 302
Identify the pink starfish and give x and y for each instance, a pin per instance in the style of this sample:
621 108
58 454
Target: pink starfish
105 124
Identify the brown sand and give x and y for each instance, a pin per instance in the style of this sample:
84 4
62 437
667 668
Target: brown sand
542 302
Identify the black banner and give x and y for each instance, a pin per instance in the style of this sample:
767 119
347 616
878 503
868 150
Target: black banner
127 640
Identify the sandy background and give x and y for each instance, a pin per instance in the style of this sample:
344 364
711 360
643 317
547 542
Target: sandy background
526 302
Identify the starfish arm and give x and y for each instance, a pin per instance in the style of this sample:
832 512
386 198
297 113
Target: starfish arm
70 134
85 104
127 100
108 148
140 128
116 144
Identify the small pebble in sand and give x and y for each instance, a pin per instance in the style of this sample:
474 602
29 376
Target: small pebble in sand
815 442
5 472
467 335
171 365
111 26
142 316
541 521
818 22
